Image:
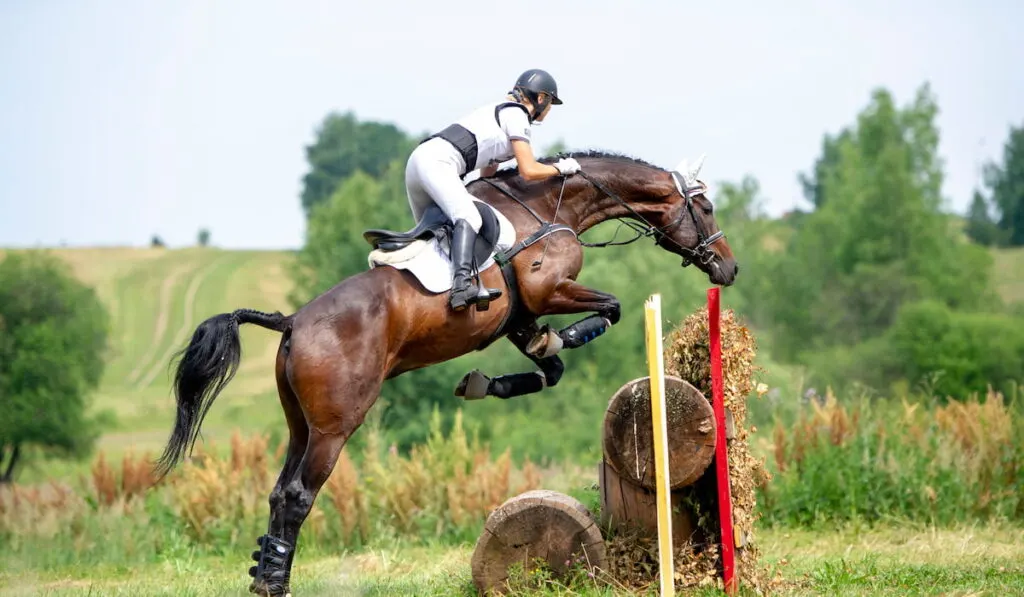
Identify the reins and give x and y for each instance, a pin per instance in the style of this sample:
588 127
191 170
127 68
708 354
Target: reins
643 228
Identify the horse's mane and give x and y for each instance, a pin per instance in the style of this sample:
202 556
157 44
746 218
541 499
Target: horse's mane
507 173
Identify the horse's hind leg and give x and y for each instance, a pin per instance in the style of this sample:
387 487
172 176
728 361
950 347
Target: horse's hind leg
335 398
298 436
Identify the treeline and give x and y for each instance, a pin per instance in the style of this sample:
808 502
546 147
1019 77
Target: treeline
876 286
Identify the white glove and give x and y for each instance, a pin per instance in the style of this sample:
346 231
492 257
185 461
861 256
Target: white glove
567 166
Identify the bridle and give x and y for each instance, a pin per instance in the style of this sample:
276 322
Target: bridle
702 253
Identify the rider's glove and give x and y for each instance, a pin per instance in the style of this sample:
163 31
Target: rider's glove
567 166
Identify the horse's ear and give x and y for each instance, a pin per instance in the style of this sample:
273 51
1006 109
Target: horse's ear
697 167
689 173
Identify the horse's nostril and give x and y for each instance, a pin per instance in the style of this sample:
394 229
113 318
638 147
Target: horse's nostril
737 270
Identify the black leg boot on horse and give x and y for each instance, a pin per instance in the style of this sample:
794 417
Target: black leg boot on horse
464 291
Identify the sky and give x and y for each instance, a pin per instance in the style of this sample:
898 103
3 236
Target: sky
120 120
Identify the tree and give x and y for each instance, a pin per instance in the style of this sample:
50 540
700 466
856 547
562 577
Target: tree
981 226
878 240
1005 182
203 237
54 332
334 247
812 184
343 146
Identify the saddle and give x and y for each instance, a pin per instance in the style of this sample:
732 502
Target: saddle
435 224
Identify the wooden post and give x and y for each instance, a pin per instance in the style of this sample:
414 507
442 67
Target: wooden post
721 454
656 364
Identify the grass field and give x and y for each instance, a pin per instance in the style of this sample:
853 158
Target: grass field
908 561
156 297
1009 274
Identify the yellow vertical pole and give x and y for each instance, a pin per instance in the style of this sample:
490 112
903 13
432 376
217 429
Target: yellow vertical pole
656 365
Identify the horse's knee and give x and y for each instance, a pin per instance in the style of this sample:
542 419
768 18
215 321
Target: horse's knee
553 368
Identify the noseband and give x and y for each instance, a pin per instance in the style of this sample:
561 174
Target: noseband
702 253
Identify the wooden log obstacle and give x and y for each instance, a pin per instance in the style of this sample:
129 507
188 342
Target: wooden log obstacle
536 525
626 472
555 528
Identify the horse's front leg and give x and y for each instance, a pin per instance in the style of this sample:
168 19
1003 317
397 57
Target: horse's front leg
572 297
475 385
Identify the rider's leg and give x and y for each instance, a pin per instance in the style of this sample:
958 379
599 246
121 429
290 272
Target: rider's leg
441 181
419 198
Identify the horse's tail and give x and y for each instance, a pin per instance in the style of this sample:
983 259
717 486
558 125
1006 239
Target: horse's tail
205 366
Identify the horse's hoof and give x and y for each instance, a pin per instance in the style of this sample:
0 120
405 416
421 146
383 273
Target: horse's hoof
259 587
473 386
545 344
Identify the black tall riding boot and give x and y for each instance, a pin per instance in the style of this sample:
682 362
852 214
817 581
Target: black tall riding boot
464 290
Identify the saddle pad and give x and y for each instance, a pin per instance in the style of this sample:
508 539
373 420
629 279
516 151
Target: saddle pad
428 261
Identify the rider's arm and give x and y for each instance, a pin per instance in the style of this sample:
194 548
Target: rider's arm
514 122
488 171
529 167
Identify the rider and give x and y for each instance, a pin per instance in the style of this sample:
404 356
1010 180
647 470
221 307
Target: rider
493 133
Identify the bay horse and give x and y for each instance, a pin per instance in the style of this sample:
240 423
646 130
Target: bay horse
337 350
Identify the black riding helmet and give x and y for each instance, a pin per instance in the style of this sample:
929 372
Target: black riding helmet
532 83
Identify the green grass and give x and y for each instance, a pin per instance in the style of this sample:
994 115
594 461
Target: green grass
849 561
1009 274
156 298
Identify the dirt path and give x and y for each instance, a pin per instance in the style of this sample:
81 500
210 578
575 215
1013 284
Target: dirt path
183 330
160 328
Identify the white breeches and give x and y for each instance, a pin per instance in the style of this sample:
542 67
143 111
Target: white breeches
432 176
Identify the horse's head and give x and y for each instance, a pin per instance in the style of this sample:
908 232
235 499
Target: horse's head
671 206
688 228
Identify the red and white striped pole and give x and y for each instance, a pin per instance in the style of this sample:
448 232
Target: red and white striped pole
721 455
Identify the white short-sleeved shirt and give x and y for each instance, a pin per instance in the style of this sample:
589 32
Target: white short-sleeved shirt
495 125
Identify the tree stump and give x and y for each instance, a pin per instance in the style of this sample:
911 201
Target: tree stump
626 506
629 433
536 524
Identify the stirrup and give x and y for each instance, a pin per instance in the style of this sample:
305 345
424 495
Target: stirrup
461 299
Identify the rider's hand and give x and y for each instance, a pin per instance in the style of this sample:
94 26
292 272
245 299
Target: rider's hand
567 166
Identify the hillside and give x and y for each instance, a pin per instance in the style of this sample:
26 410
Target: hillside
1009 274
156 297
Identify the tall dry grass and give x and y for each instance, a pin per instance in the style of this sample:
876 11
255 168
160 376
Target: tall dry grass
217 501
872 461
